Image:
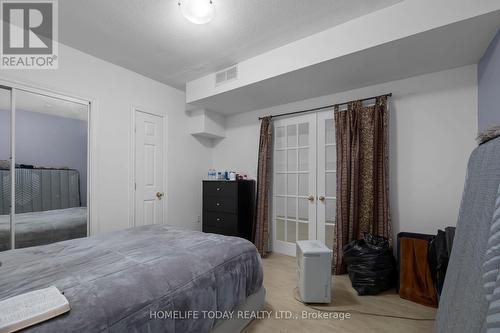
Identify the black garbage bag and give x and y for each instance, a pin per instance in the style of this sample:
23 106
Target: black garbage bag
438 256
370 264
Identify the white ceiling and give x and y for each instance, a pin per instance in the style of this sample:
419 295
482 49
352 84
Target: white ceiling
454 45
152 38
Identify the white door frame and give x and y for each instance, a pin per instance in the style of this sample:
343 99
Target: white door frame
133 110
92 104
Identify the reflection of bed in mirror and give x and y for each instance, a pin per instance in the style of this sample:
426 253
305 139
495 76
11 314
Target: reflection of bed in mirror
47 207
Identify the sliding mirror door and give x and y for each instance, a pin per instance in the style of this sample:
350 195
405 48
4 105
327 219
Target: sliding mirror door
51 169
5 174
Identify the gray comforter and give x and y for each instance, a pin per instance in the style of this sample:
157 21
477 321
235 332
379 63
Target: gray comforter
40 228
113 282
463 305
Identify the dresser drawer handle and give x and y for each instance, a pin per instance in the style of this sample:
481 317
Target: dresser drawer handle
217 204
218 219
218 188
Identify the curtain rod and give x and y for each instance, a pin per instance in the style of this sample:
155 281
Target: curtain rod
326 107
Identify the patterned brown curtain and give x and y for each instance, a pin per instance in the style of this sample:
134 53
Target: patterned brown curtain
362 175
260 233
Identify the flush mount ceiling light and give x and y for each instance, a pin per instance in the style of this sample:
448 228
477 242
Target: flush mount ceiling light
197 11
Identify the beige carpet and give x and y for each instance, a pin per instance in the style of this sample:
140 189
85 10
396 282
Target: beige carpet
280 281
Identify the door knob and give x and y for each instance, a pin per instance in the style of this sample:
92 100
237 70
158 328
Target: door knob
159 195
321 198
311 198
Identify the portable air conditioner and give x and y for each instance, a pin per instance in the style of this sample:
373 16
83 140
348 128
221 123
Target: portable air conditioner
314 261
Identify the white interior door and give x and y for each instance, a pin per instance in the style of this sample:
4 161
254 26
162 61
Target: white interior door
327 177
294 200
148 169
304 180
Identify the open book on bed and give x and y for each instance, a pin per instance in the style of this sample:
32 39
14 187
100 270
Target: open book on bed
31 308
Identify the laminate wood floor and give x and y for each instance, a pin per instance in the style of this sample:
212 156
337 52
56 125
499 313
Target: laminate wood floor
280 282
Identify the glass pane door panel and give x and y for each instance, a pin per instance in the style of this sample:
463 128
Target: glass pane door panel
329 130
291 135
51 169
330 206
291 208
331 184
331 158
303 159
280 137
303 231
303 184
292 160
291 184
291 231
303 209
280 157
327 176
280 230
293 213
303 134
5 172
279 203
279 184
329 234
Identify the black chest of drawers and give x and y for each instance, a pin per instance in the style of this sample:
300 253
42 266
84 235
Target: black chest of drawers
228 207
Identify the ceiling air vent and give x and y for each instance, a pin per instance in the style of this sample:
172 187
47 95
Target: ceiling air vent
228 74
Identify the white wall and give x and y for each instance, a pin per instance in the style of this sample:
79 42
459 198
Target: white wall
433 123
116 90
488 76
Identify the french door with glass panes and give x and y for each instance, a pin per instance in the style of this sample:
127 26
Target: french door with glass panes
304 180
294 190
327 177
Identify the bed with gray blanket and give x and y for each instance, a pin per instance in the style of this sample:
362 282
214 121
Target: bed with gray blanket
40 190
116 282
47 207
40 228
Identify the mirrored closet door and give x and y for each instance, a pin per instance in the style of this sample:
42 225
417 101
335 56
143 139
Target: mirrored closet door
304 180
5 169
49 147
